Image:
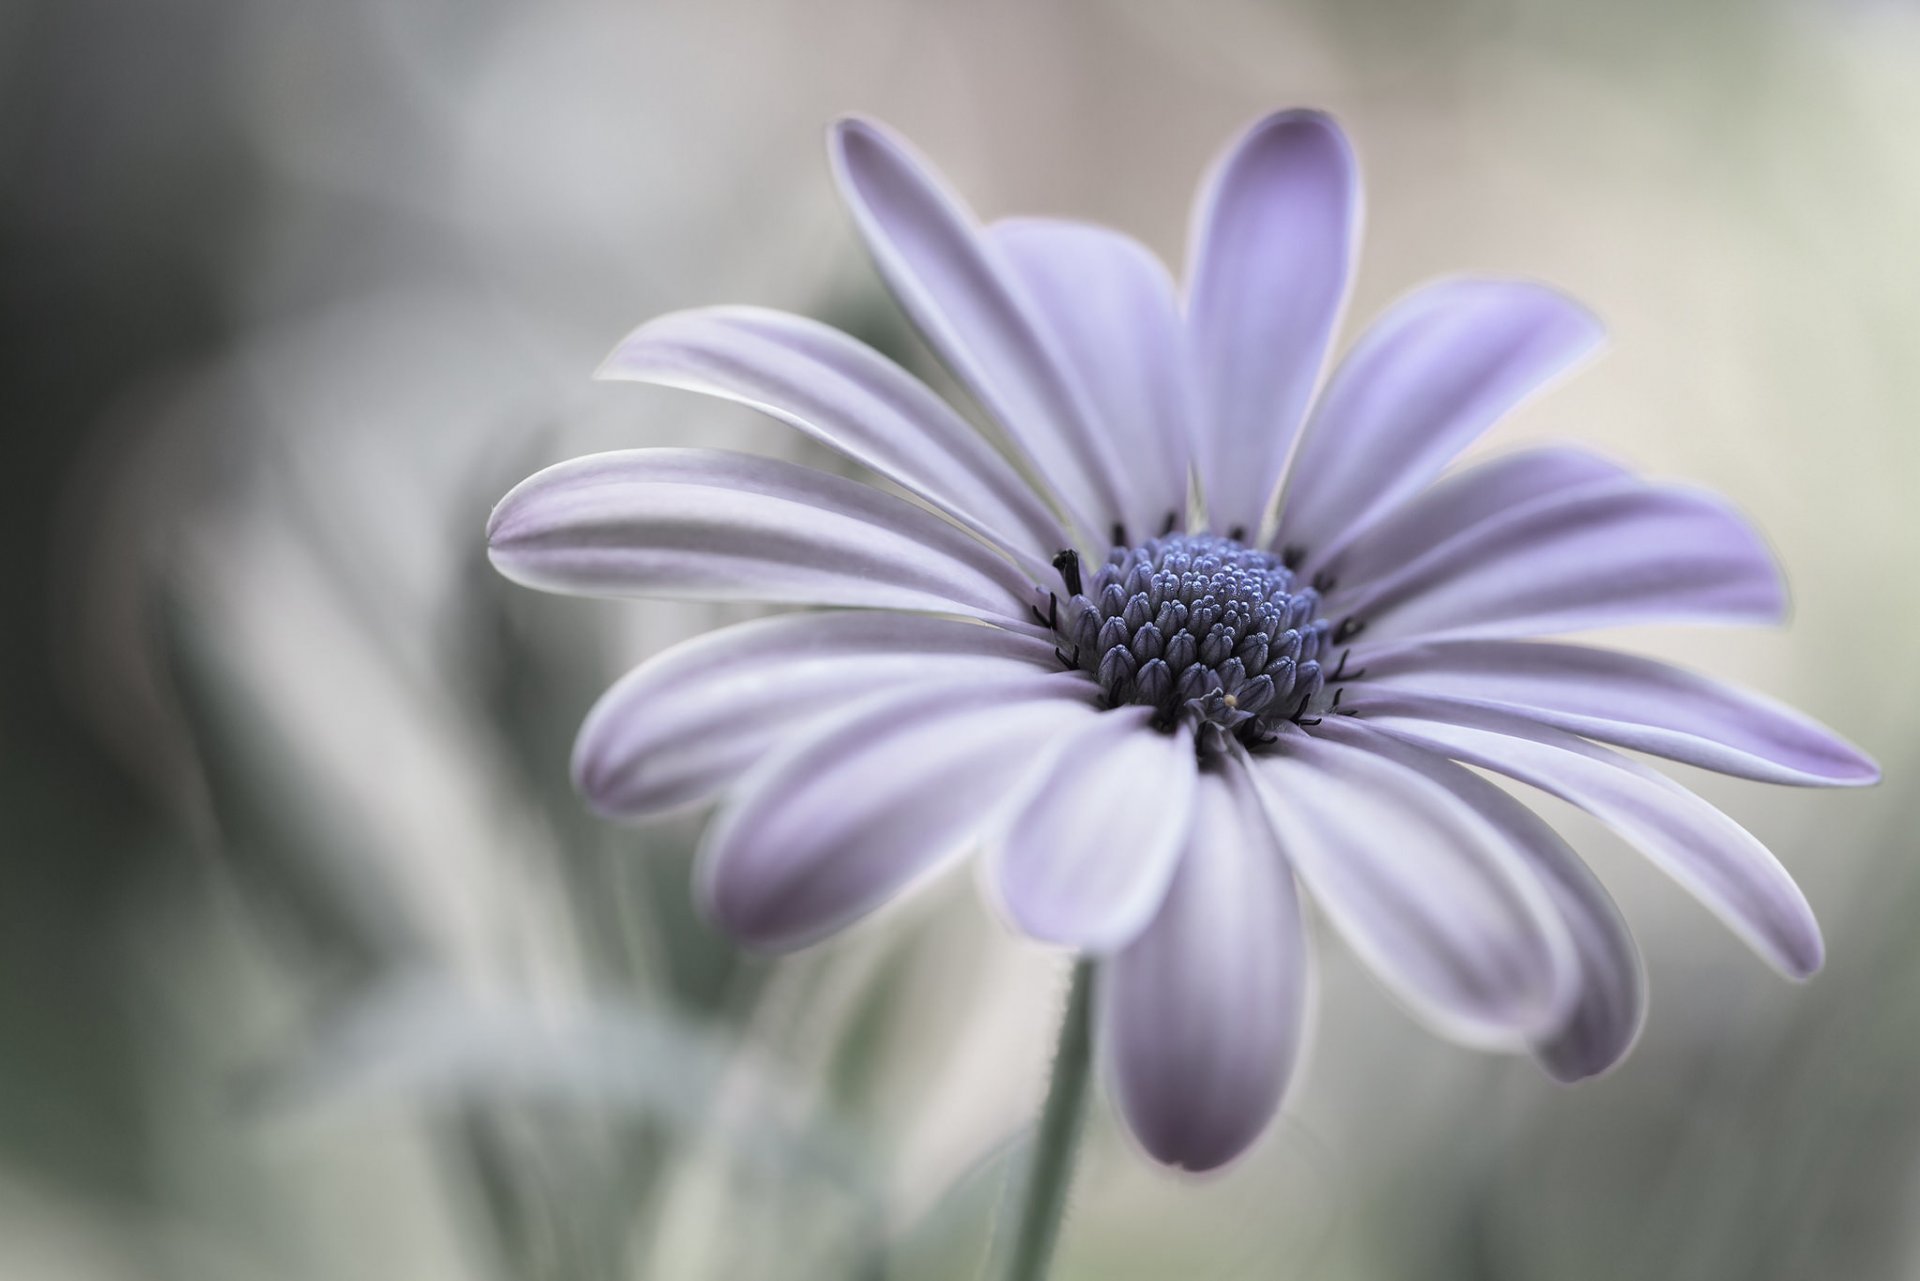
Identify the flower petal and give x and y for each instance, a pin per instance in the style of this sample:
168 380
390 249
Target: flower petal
1431 895
847 395
705 524
687 723
1274 237
1611 1007
1422 384
1714 858
1088 853
1603 556
1109 305
965 298
1628 701
1202 1016
836 823
1453 505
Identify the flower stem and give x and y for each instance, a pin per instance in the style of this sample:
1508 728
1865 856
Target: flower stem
1039 1189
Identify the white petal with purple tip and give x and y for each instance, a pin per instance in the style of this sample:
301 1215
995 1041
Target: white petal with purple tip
1423 382
847 395
685 725
1087 855
1429 893
705 524
1611 1007
971 306
1716 859
1605 555
1275 232
1202 1016
1628 701
1110 307
1457 503
838 822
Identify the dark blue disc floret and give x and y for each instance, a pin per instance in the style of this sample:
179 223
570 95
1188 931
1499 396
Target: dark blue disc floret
1203 629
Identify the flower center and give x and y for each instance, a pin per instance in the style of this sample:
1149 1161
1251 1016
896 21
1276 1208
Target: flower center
1205 630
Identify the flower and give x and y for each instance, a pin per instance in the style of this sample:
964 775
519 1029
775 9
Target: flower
1181 632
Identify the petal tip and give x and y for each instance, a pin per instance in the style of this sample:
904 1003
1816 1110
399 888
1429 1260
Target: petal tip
1300 123
1197 1151
496 519
1806 960
852 140
1291 138
593 779
734 906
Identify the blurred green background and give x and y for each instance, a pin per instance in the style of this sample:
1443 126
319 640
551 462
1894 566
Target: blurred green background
312 967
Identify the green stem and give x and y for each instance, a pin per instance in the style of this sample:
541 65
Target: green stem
1039 1190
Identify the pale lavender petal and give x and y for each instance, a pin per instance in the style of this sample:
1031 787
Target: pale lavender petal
1629 701
836 823
1603 556
1713 857
1270 260
1109 305
1202 1016
1452 506
1274 236
1087 855
1611 1007
705 524
847 395
686 724
1422 384
1429 893
966 299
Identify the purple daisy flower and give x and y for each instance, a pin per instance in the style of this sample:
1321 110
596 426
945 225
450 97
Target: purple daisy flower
1183 633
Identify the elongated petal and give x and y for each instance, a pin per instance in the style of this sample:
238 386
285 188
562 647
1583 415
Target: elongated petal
1716 859
1611 1007
1428 892
1629 701
1422 384
838 822
705 524
968 302
847 395
1274 237
1603 556
687 723
1109 305
1202 1016
1478 494
1087 855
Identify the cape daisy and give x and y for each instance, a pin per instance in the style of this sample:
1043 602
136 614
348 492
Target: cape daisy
1182 633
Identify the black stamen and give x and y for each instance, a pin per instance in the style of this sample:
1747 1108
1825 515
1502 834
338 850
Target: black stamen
1173 518
1336 697
1323 582
1119 534
1348 629
1238 533
1309 720
1340 672
1067 561
1292 556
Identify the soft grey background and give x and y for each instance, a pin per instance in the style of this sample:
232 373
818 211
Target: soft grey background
312 967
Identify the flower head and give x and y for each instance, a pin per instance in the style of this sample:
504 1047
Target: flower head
1158 715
